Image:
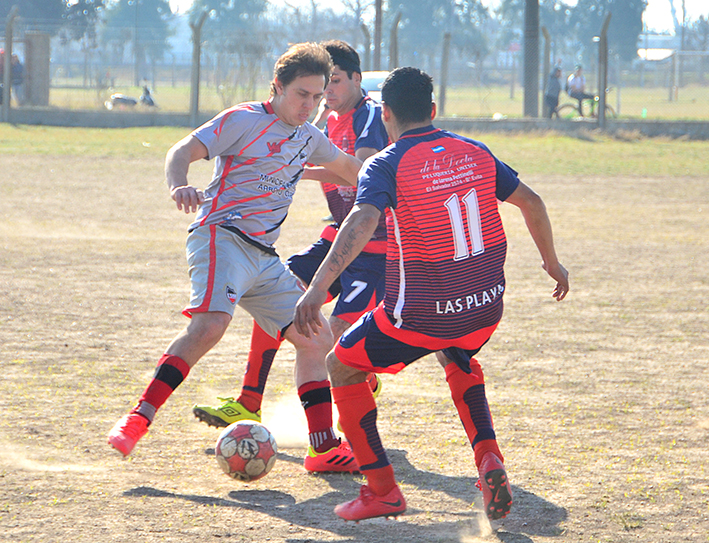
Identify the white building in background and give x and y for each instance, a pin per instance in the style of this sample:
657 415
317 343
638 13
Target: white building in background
657 47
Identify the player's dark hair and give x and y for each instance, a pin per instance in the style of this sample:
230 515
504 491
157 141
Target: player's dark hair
344 56
408 92
301 59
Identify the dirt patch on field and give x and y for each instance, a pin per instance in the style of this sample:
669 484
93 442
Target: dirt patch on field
600 402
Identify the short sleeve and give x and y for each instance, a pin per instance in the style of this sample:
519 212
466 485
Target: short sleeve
368 127
376 184
507 180
222 132
322 149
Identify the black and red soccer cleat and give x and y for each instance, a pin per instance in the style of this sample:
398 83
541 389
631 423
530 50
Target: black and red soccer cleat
496 489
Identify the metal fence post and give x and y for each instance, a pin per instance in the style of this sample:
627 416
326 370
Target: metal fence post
603 72
7 65
196 55
531 58
444 74
546 70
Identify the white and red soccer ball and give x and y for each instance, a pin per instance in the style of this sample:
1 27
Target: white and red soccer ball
246 450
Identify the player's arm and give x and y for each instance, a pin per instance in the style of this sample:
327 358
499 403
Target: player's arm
177 164
535 215
325 175
356 230
345 167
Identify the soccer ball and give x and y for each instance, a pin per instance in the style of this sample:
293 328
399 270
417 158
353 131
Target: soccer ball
246 450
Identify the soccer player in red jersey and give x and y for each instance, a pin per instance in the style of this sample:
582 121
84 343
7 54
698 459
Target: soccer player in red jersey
261 150
444 283
354 125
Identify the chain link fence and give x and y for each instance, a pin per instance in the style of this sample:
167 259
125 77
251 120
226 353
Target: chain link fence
85 74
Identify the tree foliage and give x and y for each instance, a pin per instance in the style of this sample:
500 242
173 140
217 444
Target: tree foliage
573 27
144 23
235 35
698 34
424 23
625 27
46 11
80 20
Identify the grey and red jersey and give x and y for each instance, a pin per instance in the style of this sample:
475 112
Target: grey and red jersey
259 161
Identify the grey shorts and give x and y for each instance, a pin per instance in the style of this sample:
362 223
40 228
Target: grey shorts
225 271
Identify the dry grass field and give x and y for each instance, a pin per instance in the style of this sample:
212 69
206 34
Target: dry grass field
600 401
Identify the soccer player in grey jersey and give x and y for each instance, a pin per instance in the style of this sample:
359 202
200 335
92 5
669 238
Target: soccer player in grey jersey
260 151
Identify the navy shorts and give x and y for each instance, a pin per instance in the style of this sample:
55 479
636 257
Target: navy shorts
358 289
374 344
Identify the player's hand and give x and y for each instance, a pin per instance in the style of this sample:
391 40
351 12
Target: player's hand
561 276
307 312
187 198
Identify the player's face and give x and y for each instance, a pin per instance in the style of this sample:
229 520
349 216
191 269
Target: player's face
342 93
296 101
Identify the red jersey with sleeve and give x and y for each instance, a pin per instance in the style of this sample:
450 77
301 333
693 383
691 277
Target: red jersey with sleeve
360 127
259 161
446 244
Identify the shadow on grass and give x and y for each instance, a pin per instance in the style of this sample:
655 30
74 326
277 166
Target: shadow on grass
530 516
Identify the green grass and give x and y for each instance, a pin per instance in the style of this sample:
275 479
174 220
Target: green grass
538 153
692 103
468 101
169 99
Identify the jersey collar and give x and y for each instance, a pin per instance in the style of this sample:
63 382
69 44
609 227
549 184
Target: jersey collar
422 131
268 107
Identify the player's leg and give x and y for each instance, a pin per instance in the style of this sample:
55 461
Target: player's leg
247 406
263 349
339 327
326 452
362 349
214 256
362 286
272 305
199 336
468 393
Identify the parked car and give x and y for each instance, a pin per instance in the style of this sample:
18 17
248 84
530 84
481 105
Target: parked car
372 83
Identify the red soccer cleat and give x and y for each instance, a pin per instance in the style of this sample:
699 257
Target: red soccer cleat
496 489
339 459
127 431
369 505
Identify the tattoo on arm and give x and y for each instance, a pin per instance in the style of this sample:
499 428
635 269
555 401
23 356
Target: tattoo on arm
341 253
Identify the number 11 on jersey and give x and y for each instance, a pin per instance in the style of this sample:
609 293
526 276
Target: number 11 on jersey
472 213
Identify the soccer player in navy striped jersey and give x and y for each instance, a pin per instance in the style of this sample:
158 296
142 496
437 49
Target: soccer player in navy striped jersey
444 283
261 150
354 125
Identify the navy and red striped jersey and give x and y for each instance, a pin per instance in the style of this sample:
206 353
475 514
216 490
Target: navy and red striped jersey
446 244
360 127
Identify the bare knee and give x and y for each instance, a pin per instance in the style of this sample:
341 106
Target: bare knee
338 327
341 374
316 343
209 327
443 360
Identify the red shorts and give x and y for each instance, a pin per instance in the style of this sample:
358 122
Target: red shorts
374 344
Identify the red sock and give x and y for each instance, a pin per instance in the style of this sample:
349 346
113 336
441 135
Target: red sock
468 393
358 418
317 402
372 381
261 354
169 373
